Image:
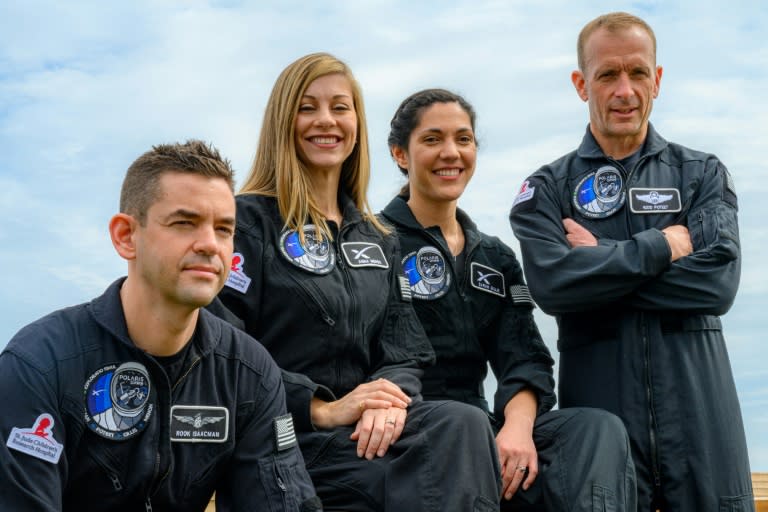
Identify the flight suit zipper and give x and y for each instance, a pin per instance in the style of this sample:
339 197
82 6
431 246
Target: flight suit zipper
651 409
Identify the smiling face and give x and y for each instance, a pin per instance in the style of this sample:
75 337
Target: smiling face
619 82
441 154
184 249
326 123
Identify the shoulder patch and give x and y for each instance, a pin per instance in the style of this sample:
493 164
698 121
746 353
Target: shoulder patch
526 193
654 200
520 295
487 279
237 279
118 400
37 440
364 254
199 424
285 435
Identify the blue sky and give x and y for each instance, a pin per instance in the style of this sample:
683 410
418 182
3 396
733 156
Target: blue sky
85 87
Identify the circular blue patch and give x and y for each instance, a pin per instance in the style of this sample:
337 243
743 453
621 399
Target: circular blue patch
313 255
427 273
117 400
600 193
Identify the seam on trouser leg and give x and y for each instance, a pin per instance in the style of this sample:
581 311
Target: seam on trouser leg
743 503
603 499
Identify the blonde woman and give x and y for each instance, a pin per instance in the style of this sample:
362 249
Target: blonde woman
316 278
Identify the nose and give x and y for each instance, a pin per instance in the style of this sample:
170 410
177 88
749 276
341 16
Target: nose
624 86
449 150
323 117
206 241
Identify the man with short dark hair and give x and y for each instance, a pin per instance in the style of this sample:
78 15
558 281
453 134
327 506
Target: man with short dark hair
632 243
140 399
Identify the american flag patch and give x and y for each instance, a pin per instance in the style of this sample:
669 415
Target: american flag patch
520 294
285 436
405 289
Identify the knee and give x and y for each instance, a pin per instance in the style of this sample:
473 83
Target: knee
605 426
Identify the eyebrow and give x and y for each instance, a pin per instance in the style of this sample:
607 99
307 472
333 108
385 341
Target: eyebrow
190 214
335 96
438 130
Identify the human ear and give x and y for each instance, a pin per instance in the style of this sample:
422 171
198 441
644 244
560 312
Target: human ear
657 81
122 228
579 82
400 156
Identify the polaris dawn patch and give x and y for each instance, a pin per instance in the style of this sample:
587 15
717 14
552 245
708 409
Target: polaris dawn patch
487 279
117 400
314 255
654 200
237 279
37 440
199 424
600 193
427 273
364 254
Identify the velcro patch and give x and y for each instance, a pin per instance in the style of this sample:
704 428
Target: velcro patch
405 289
520 295
237 279
729 192
525 193
487 279
37 440
364 254
654 200
285 435
199 424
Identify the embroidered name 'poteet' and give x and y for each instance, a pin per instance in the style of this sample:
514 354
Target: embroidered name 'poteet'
199 424
37 441
237 279
487 279
654 200
364 254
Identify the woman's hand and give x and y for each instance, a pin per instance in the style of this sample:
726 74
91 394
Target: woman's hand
517 455
378 394
377 430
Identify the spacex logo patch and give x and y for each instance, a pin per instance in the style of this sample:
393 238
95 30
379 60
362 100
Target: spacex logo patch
487 279
364 254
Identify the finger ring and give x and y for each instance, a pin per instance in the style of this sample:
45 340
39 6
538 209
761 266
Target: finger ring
362 405
389 422
522 468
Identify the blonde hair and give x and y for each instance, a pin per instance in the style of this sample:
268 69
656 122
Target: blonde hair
612 22
277 170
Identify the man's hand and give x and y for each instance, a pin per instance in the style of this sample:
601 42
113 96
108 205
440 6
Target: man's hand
578 235
679 241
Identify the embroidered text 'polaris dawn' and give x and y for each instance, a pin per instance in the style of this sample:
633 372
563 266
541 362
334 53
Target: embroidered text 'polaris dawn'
199 424
487 279
364 254
117 400
600 194
237 278
313 255
654 200
285 436
427 273
37 441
